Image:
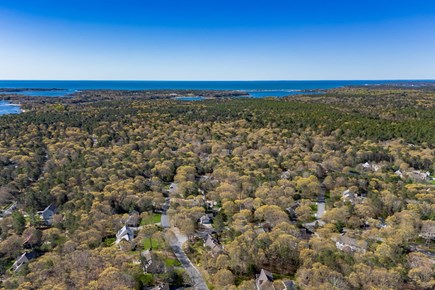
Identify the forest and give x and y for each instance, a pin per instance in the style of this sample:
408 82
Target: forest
332 190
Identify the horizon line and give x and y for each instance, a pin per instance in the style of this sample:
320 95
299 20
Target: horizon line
211 80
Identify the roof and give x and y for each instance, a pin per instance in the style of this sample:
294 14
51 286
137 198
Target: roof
205 219
267 274
352 242
289 284
48 212
259 231
125 231
213 244
51 207
265 280
133 219
349 193
147 255
24 258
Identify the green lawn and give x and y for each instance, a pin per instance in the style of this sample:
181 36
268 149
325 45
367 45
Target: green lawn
147 243
172 262
151 219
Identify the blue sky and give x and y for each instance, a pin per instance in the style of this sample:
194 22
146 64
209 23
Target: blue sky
217 40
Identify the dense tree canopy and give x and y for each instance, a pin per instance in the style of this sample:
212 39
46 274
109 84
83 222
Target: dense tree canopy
259 167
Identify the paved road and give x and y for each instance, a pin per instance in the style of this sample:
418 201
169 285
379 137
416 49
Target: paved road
418 248
320 210
165 219
177 247
321 202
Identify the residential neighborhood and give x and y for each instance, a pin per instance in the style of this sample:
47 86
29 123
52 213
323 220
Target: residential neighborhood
155 193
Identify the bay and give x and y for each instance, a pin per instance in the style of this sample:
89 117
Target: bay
8 108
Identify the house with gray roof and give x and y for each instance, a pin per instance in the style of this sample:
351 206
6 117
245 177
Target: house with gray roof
9 210
205 220
125 233
345 243
47 214
289 284
23 259
133 219
147 260
213 244
264 280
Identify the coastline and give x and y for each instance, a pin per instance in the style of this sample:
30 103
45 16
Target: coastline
42 93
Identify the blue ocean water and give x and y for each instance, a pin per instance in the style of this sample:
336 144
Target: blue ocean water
199 98
249 86
44 93
8 108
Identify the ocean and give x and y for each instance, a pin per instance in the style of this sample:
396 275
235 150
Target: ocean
254 86
255 89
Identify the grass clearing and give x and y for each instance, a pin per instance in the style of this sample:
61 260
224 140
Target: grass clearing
169 262
150 243
153 218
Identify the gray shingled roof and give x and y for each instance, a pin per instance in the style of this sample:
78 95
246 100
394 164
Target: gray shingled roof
352 242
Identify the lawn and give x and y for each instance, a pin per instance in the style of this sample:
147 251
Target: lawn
172 262
151 219
147 243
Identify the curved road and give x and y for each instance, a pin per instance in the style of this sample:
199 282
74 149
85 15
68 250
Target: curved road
177 247
192 271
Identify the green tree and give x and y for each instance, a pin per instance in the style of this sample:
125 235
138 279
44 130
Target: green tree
18 222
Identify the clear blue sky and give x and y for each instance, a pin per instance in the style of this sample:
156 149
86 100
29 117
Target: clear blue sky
217 40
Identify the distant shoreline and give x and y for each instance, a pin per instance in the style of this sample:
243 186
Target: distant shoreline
51 94
72 86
